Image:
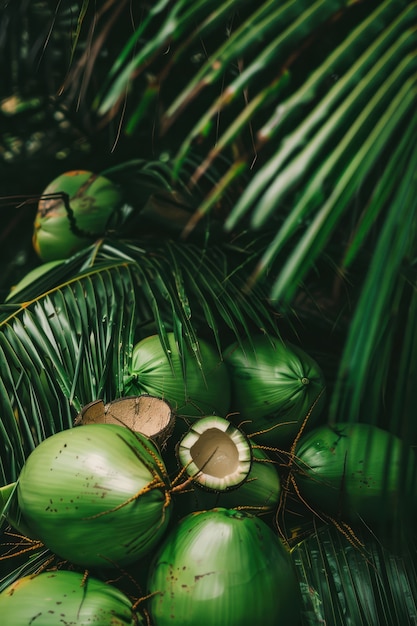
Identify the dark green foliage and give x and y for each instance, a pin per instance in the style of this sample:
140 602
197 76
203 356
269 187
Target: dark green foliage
267 159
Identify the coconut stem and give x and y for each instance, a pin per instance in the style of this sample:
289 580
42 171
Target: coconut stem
268 430
158 462
154 484
181 486
34 545
144 598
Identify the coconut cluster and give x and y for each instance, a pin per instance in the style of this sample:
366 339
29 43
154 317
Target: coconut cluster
179 483
174 481
105 495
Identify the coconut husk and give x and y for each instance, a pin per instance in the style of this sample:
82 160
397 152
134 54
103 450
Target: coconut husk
148 415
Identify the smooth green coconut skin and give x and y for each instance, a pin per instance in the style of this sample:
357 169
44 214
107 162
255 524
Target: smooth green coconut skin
63 597
60 232
223 567
356 470
274 386
73 480
203 390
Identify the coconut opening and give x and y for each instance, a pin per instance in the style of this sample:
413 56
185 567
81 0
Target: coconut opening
215 453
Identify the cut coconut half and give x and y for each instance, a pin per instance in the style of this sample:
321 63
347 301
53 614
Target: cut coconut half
215 454
145 414
259 493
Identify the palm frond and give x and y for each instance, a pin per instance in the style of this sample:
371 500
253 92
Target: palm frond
322 142
376 331
357 57
342 184
19 566
58 351
346 585
183 20
292 28
69 343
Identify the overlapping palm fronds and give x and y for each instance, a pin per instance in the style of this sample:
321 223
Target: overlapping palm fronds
328 92
307 110
343 585
66 339
284 133
323 141
57 350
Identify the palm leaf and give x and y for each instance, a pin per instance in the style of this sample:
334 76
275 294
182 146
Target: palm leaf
346 585
339 144
292 28
179 21
56 352
375 332
334 204
314 133
70 343
23 565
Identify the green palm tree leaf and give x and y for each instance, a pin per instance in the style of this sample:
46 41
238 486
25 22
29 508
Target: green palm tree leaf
37 561
361 100
331 208
294 33
314 133
345 585
71 344
267 20
382 291
384 190
181 19
403 404
58 352
225 294
232 132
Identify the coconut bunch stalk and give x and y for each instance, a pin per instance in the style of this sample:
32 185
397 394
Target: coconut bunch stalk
96 495
275 386
226 468
195 382
74 211
349 585
357 472
225 567
66 597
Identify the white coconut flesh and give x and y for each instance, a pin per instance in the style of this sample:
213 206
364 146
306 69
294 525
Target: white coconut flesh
215 454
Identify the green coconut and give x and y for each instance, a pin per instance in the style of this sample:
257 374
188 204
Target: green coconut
74 211
95 495
356 471
223 567
194 384
275 385
65 597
